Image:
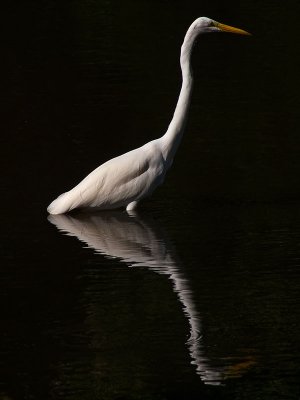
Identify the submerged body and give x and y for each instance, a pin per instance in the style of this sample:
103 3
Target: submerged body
123 181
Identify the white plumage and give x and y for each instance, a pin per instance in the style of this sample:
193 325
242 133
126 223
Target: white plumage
123 181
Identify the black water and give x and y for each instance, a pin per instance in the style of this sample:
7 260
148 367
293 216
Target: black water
196 295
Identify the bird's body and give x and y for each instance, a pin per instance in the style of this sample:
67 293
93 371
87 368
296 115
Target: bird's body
124 180
120 182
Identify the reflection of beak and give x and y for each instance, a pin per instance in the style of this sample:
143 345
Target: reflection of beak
227 28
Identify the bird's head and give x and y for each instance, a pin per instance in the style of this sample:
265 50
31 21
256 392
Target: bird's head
207 25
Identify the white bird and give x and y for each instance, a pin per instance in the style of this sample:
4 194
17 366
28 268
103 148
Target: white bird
125 180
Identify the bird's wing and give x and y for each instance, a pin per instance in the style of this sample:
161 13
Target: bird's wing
120 180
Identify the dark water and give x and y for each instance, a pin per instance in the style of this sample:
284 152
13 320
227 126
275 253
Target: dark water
196 295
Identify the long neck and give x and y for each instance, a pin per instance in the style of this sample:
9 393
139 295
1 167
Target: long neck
172 138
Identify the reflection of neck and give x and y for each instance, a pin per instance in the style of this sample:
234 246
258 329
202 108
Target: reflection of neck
173 136
140 244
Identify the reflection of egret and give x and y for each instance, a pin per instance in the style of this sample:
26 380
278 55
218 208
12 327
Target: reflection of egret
141 243
125 180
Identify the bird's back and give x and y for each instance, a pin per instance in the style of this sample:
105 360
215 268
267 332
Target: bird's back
117 182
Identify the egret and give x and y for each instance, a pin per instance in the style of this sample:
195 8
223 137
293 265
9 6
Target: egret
125 180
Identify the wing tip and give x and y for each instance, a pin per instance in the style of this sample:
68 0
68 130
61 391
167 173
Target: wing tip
59 205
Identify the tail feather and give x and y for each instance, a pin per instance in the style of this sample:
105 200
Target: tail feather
61 205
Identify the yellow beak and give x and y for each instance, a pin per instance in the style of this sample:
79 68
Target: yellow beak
227 28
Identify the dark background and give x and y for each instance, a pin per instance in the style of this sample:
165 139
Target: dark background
84 81
87 80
